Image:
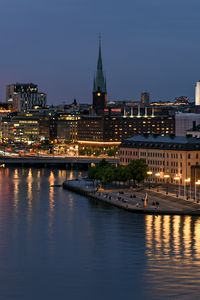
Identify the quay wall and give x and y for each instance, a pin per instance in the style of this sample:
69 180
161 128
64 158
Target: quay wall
74 186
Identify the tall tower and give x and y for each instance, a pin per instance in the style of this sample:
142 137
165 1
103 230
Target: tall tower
145 97
99 86
197 93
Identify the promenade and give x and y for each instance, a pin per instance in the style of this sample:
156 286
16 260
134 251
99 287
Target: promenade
133 199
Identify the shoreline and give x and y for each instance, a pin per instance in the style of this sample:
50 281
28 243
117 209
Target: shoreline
87 189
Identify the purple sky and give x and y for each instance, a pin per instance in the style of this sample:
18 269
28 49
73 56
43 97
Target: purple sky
149 45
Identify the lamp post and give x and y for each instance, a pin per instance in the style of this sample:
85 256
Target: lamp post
177 180
157 176
196 185
167 177
149 173
187 180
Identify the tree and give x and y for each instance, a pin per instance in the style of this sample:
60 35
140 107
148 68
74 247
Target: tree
103 163
122 174
138 169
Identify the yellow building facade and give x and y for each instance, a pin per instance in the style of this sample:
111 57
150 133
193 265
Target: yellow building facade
166 157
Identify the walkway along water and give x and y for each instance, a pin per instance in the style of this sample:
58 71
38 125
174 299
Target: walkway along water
131 200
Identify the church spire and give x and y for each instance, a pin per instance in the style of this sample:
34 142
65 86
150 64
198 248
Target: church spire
99 86
100 83
99 63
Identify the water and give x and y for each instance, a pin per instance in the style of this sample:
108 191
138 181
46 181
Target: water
58 245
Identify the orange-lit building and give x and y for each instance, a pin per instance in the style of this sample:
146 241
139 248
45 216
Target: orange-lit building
171 156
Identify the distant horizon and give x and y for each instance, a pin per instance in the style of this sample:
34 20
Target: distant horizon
85 101
146 45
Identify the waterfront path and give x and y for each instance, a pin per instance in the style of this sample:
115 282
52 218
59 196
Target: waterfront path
133 199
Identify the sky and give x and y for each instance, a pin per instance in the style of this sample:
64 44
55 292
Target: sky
147 45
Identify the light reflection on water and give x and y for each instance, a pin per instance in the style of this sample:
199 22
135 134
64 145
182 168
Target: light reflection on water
67 245
173 256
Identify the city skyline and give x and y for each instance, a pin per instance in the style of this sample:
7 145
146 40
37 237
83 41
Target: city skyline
146 45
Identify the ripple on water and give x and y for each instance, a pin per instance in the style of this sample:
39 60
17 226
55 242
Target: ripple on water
57 245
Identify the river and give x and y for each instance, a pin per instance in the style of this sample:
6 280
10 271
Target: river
57 245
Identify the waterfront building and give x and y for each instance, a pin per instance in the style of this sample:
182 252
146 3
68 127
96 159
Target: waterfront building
48 127
184 122
67 127
111 128
99 87
164 155
23 127
6 128
24 96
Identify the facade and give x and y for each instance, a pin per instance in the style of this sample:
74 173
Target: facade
184 121
39 126
172 156
67 127
99 87
197 93
24 96
117 128
48 127
20 128
90 128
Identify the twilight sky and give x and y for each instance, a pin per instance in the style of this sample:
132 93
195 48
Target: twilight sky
149 45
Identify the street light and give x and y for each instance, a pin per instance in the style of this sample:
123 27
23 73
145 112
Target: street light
187 180
167 177
196 184
149 173
157 176
177 178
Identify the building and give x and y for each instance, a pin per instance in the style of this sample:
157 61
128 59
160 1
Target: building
67 127
145 98
99 87
171 156
24 96
197 93
90 128
23 128
111 128
194 131
184 121
182 100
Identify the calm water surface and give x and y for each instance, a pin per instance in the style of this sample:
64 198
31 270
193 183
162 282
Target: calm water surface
58 245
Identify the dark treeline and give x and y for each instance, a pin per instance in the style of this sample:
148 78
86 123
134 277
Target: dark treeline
136 170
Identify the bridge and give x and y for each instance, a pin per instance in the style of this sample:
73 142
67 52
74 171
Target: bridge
67 161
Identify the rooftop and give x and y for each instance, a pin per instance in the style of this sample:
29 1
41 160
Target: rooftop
164 139
163 142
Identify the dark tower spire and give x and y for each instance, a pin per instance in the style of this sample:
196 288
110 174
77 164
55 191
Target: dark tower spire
99 85
99 63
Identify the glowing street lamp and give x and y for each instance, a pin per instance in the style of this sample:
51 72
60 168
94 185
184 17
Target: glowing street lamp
187 181
149 173
166 176
157 176
197 183
177 180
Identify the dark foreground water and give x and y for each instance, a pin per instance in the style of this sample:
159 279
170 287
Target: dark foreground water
58 245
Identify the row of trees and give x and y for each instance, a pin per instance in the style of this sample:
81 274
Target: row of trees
136 170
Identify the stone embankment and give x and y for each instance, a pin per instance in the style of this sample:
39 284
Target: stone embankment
133 200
